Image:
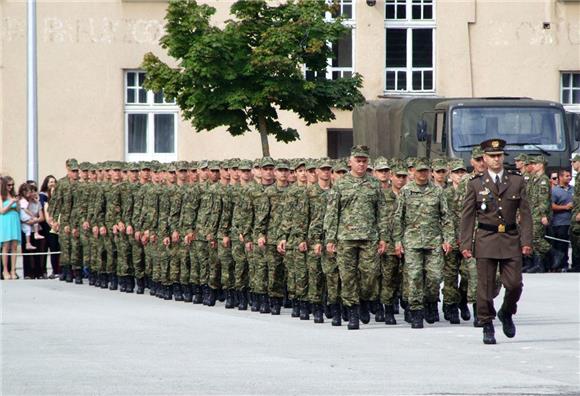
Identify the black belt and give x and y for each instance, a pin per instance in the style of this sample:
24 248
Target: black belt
497 228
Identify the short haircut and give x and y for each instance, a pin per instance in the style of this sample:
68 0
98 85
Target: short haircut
562 171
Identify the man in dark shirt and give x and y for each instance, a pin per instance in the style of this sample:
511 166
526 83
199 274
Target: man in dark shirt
562 203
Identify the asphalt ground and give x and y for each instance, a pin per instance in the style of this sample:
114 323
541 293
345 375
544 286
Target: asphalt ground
66 339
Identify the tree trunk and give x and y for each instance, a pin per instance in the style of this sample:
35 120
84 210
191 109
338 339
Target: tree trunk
264 136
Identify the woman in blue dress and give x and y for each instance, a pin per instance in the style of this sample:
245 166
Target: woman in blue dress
9 225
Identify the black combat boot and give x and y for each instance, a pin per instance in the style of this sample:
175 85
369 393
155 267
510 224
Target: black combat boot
353 317
407 314
463 308
344 312
318 313
211 297
91 279
97 279
365 315
197 294
229 299
475 321
336 315
148 282
187 296
242 300
255 302
396 305
167 292
295 308
379 312
123 284
69 274
114 282
445 311
130 284
152 288
488 334
177 292
78 277
62 276
538 265
429 313
417 319
104 281
140 285
264 304
453 313
435 309
205 290
304 310
286 302
508 326
276 304
327 311
390 315
221 295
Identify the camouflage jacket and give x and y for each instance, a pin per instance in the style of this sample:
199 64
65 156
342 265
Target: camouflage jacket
269 209
540 197
112 205
189 209
62 202
170 197
422 219
317 203
226 194
356 210
81 199
149 215
294 225
207 221
99 207
391 205
243 212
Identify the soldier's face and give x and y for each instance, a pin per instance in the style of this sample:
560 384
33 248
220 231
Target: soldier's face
382 175
92 176
422 176
301 175
399 181
214 175
246 175
539 168
145 174
292 176
530 168
494 161
73 174
440 175
182 175
84 175
324 174
478 164
224 174
267 174
192 174
457 175
203 174
257 172
576 166
338 174
519 164
411 171
234 174
281 175
311 176
115 175
133 176
359 165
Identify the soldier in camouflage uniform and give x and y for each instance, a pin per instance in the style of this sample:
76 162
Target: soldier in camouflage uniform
87 239
575 220
422 229
356 230
440 171
122 239
79 214
113 208
187 225
133 229
540 200
60 209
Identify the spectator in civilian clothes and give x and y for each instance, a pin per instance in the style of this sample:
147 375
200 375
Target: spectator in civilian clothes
51 235
562 202
9 226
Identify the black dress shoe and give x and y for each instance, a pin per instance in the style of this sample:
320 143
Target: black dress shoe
488 334
508 326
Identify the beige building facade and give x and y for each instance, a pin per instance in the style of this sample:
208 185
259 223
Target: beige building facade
91 105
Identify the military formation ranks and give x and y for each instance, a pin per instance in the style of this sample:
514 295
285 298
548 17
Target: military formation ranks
335 239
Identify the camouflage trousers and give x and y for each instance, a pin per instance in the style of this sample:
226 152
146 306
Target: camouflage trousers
194 265
468 283
423 275
65 241
315 277
202 258
540 245
86 248
150 250
260 270
228 279
183 259
171 264
111 254
296 274
390 278
331 278
214 280
124 264
160 262
240 256
96 252
451 266
137 257
358 265
275 272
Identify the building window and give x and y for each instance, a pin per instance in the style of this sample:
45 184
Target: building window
339 142
150 122
410 46
570 88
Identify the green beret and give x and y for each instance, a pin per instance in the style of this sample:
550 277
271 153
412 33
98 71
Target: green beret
359 151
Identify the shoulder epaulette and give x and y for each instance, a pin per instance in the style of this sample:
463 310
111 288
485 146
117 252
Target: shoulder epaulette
514 172
475 176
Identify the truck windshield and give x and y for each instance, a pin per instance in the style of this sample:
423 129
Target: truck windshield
526 128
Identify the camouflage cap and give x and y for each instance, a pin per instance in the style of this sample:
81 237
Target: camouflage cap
399 169
325 163
521 157
536 159
311 164
382 163
340 166
298 162
171 167
145 165
422 164
202 164
575 157
267 161
85 166
439 164
282 164
476 152
234 163
181 165
214 165
192 165
410 162
225 164
133 166
116 165
457 164
72 164
359 151
245 165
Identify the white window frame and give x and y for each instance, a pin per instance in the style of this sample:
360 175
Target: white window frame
569 106
351 23
150 108
409 24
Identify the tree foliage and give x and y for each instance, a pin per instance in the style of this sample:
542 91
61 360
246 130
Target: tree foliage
241 75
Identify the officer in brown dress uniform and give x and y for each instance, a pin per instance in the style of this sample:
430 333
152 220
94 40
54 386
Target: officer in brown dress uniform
493 198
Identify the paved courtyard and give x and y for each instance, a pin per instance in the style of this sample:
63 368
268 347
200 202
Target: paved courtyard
63 339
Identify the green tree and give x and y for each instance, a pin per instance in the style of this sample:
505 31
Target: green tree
241 75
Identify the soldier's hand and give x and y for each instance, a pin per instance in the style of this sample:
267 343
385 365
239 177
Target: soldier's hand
213 244
446 248
129 230
241 238
144 240
382 247
226 242
545 221
527 250
249 246
175 237
303 247
137 236
121 227
466 254
96 231
318 249
66 229
115 229
331 248
209 237
166 241
399 250
281 248
86 226
262 242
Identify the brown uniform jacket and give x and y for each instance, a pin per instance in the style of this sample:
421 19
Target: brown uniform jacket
484 204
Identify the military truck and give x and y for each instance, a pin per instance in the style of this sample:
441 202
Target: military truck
434 127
